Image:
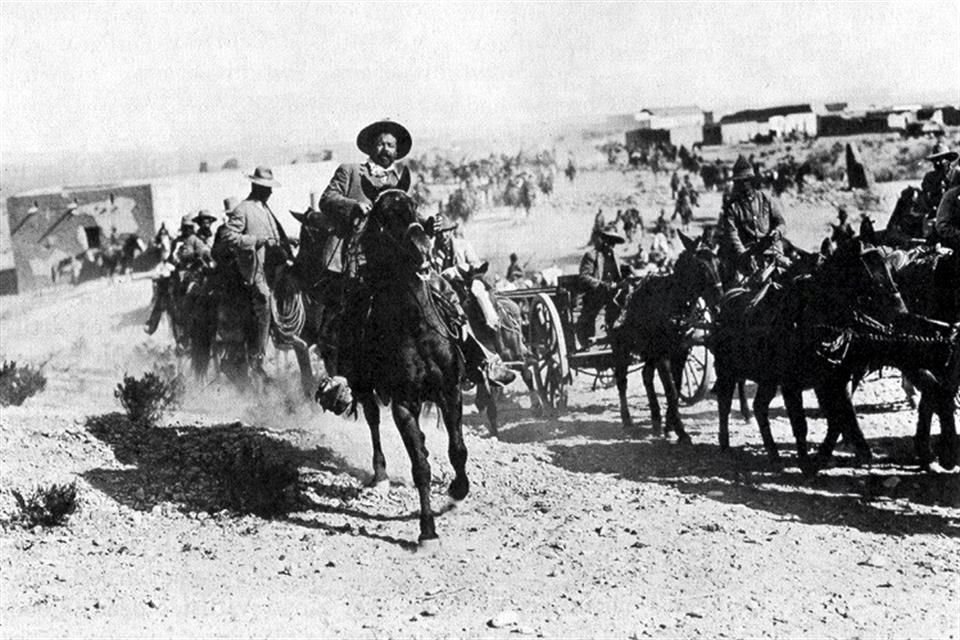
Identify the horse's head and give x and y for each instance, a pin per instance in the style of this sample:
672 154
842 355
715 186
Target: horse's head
856 278
394 236
476 290
698 271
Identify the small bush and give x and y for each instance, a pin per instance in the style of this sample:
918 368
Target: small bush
253 482
146 399
46 506
17 383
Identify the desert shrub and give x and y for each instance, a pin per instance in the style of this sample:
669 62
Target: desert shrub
48 506
17 383
253 481
146 399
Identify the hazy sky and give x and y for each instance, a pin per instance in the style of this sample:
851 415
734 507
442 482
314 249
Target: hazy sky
94 77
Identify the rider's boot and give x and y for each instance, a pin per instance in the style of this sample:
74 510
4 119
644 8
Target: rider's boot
483 366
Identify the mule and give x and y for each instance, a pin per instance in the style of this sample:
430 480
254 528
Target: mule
403 350
649 328
817 331
930 284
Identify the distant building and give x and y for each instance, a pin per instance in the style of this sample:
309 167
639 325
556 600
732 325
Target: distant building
746 125
680 125
55 225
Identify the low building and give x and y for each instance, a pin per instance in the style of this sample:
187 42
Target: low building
51 226
852 124
746 125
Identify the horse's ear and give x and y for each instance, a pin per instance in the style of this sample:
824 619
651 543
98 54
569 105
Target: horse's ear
404 183
370 191
688 244
482 269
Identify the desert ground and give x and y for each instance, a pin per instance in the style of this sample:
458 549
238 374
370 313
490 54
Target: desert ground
571 528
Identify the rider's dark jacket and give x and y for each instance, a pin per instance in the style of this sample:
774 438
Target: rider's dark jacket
747 217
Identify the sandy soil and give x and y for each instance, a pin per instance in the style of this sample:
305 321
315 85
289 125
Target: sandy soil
571 529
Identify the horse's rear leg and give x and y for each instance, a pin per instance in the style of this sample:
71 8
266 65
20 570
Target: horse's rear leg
947 448
536 402
921 439
452 411
371 412
761 408
744 405
307 383
656 421
405 415
487 399
674 423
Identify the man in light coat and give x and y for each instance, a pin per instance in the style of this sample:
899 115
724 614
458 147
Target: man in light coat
259 245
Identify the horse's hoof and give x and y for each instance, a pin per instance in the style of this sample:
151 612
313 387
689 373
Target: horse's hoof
459 489
381 486
537 411
684 439
428 546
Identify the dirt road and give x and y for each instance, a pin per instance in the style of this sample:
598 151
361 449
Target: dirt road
571 529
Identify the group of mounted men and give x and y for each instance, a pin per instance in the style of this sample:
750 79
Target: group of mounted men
750 235
242 264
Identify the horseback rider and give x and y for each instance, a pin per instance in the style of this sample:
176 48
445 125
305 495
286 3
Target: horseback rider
185 250
343 213
934 182
599 278
841 231
948 214
750 221
259 246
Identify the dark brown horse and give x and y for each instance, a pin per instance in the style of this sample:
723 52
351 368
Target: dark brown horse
650 328
818 331
403 350
930 284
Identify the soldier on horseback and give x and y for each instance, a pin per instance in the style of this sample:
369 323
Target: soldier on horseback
934 182
600 278
343 212
750 222
258 245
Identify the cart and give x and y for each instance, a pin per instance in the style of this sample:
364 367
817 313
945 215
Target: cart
549 320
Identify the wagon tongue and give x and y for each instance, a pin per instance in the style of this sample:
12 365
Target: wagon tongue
911 341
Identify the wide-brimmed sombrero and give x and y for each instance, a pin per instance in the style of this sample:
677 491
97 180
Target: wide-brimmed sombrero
263 176
940 152
204 215
610 235
367 138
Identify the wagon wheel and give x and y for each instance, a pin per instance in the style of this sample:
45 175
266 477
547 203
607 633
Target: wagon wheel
697 373
551 370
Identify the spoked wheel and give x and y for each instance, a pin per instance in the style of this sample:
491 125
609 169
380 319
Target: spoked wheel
697 373
551 371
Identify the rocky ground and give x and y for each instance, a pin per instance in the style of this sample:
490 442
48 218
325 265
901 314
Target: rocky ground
571 529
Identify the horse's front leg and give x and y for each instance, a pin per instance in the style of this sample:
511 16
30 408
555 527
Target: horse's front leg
674 423
371 412
307 383
724 388
536 402
921 438
621 364
406 416
656 421
452 411
793 401
761 408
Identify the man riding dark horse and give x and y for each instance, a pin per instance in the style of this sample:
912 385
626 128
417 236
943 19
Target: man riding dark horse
343 214
259 246
750 223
